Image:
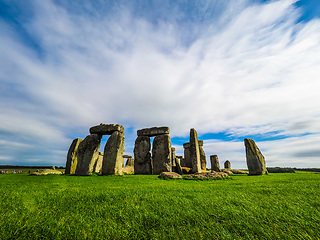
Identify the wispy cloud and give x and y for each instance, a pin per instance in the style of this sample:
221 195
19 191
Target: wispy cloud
239 67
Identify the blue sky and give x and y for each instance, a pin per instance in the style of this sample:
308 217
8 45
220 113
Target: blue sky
229 69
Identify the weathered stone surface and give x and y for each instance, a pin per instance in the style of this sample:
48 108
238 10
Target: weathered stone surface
106 129
227 170
227 165
237 171
208 175
203 160
215 166
181 160
186 170
154 131
72 157
130 162
113 154
194 151
187 160
170 175
161 154
186 145
173 156
255 160
177 168
88 152
98 164
142 155
128 170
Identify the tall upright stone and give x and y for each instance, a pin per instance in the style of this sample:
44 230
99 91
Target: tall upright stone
227 165
72 157
173 156
113 160
215 166
194 151
178 168
88 152
255 160
142 155
180 159
203 159
161 154
187 160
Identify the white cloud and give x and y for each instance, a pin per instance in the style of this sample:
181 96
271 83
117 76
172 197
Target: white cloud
252 71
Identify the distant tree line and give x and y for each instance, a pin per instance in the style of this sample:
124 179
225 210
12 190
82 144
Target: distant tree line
280 170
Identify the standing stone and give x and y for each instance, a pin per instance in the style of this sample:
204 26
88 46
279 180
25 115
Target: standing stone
130 160
187 160
178 168
215 163
194 151
255 160
173 156
227 165
161 154
98 165
72 157
203 159
180 159
88 152
113 154
142 156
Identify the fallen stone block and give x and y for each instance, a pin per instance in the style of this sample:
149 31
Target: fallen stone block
170 175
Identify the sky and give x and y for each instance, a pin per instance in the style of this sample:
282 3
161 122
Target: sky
230 69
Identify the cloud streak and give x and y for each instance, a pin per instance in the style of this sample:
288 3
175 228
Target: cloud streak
241 68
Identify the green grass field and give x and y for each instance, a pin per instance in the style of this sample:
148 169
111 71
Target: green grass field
274 206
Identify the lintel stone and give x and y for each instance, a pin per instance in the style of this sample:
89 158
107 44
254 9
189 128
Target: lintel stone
106 129
154 131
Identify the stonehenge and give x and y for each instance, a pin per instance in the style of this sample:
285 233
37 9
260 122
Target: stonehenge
84 158
255 160
161 160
